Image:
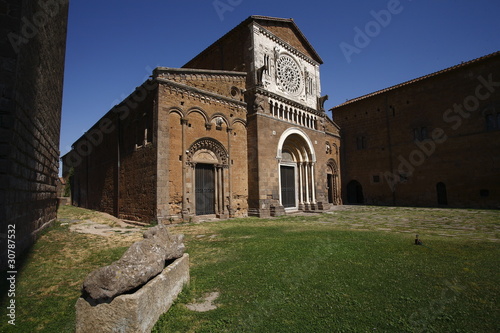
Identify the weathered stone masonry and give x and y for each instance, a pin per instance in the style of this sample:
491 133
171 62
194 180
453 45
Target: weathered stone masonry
239 130
32 51
431 141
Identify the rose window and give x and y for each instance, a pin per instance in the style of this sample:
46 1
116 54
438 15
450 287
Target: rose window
288 74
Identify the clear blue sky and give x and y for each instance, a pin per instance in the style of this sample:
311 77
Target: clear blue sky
113 45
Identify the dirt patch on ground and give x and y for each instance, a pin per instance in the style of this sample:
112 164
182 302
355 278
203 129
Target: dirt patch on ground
207 303
105 225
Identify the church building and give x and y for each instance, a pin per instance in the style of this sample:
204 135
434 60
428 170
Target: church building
433 141
239 130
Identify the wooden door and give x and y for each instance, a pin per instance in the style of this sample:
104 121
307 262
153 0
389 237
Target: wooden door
288 186
205 189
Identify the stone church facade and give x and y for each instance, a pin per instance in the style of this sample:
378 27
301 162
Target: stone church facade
239 130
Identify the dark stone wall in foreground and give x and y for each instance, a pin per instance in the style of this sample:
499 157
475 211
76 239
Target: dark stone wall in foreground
32 51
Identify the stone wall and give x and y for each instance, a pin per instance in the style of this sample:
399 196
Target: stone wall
32 51
114 162
265 132
228 53
133 163
400 143
187 114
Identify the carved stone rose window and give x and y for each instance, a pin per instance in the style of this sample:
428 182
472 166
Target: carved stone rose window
288 74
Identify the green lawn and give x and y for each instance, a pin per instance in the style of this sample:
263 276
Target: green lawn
354 270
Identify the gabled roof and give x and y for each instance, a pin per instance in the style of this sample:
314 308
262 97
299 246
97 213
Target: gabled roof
263 21
449 69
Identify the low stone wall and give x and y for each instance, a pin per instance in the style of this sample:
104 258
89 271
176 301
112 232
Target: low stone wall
137 312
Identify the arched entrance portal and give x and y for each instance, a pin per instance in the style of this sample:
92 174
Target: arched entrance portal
209 162
205 189
296 171
355 192
332 183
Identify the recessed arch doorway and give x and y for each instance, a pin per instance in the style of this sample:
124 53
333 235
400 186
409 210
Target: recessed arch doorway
296 170
333 183
209 162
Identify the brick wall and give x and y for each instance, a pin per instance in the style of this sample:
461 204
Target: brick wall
228 53
415 136
32 50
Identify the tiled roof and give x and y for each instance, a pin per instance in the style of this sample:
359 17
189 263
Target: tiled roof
449 69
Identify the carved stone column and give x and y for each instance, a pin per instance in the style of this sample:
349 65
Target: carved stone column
229 172
306 169
313 187
185 211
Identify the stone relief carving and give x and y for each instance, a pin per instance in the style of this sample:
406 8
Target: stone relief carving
258 104
210 145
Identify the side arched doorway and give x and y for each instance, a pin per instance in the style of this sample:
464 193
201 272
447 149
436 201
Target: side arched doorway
208 160
355 193
332 183
204 189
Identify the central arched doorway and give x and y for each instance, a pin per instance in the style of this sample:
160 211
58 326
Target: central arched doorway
296 171
288 180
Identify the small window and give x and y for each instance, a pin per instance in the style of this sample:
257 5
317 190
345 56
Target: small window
376 178
420 134
361 142
416 134
490 122
484 193
423 133
266 63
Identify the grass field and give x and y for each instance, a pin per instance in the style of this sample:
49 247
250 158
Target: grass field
355 269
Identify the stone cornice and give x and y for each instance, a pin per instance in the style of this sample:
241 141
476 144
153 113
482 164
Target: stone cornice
202 95
203 74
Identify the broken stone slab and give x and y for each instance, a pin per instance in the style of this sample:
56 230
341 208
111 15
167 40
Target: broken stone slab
137 312
139 264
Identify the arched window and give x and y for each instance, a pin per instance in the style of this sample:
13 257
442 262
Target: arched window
442 197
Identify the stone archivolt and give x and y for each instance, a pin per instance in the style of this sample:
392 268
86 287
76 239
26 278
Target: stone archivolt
211 145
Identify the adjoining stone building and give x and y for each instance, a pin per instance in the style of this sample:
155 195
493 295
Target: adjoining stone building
32 52
431 141
239 130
